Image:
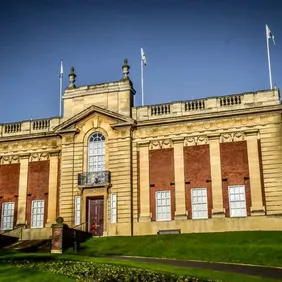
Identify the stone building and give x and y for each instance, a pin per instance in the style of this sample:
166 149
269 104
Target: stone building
206 165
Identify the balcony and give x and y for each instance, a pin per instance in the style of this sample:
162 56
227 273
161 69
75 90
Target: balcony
94 179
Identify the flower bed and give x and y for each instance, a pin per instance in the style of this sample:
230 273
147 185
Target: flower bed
89 271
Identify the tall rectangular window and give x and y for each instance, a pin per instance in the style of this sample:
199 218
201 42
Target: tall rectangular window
237 201
37 214
199 203
77 205
7 217
113 208
163 206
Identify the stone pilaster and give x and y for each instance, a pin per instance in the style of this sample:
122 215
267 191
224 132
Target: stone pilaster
21 216
144 182
218 209
180 212
53 188
254 173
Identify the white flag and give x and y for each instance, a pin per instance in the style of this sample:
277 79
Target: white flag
143 57
62 70
269 34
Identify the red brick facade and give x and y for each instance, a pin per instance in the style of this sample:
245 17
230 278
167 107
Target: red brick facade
38 183
161 163
197 174
235 171
9 186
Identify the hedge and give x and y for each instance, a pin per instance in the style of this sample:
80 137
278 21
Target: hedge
94 272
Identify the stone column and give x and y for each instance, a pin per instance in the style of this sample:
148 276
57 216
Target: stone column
216 178
21 216
144 182
53 188
254 173
180 205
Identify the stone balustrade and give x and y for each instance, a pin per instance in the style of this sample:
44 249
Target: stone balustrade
174 109
208 105
28 127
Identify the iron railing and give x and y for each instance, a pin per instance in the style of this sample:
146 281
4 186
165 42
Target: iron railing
94 178
82 226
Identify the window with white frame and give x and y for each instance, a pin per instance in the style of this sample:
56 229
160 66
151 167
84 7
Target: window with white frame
77 205
96 152
237 201
37 214
7 218
199 203
113 208
163 206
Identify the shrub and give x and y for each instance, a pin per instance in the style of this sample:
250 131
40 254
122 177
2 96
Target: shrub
93 272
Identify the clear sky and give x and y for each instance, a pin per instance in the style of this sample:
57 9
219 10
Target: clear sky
194 49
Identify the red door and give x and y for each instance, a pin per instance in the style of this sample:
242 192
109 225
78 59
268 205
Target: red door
96 216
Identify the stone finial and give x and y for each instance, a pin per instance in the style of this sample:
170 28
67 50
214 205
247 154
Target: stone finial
125 68
72 77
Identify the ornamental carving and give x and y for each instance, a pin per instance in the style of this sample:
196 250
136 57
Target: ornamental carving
232 137
196 140
188 127
160 144
36 157
10 159
27 145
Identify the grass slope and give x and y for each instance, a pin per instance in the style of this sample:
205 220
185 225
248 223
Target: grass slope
8 273
254 247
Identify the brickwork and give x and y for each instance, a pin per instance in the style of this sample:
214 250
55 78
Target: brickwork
9 186
38 183
235 171
197 174
161 172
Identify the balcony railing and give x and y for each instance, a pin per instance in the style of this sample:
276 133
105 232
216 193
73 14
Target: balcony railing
97 178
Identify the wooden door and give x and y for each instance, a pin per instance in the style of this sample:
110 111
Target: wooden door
96 216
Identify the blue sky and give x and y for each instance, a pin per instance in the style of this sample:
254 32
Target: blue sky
194 49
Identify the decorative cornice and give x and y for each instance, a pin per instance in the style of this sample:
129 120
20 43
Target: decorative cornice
54 153
214 136
69 124
251 132
178 140
24 156
143 144
116 86
124 124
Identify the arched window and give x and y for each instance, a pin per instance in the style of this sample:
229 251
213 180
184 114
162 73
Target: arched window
96 152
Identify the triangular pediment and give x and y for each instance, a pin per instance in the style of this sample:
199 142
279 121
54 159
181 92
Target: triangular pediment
70 124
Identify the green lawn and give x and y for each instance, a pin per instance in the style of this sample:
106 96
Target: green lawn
254 247
16 274
8 273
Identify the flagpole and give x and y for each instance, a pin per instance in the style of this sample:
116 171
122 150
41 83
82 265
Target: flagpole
268 56
61 87
142 81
